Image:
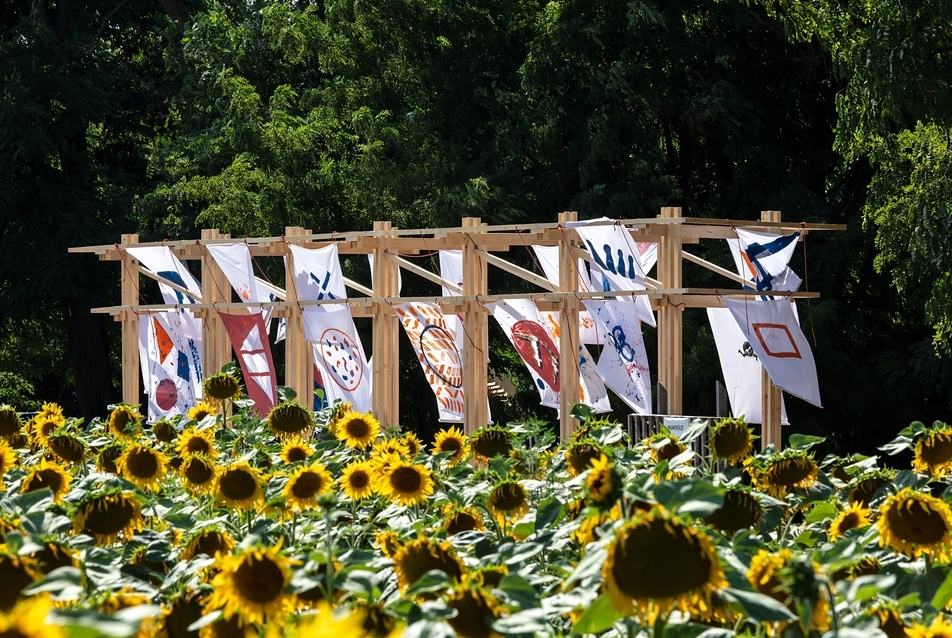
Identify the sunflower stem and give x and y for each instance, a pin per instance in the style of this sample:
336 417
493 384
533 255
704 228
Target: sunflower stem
659 624
329 554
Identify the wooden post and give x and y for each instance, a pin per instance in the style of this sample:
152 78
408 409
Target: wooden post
386 333
215 289
298 361
568 330
476 327
770 394
129 291
670 311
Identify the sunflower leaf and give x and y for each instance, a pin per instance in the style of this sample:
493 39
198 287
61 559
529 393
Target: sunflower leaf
599 617
699 498
759 607
529 621
865 587
519 590
428 629
548 512
433 580
694 630
805 441
590 565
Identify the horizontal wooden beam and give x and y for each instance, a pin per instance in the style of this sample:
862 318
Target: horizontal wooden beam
423 272
162 280
513 269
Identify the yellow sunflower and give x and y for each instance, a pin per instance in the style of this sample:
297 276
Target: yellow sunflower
388 542
489 441
357 429
914 523
108 517
143 466
195 441
10 423
305 484
476 610
766 575
48 474
405 482
251 585
164 431
16 573
356 480
67 447
201 410
854 516
791 469
934 452
864 488
940 628
338 411
53 555
124 421
740 510
412 443
391 447
239 487
891 622
332 623
508 501
221 386
603 483
199 473
210 542
50 409
27 619
417 557
294 449
458 519
290 419
43 427
8 458
657 563
731 440
450 440
107 457
579 456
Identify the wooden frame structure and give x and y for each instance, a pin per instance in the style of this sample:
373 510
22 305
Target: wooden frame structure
478 242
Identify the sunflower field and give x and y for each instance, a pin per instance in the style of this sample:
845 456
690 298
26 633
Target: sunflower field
323 524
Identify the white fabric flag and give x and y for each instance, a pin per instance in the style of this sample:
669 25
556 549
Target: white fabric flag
339 355
317 273
234 259
743 374
762 259
548 257
435 347
772 330
616 256
520 320
623 364
169 371
591 388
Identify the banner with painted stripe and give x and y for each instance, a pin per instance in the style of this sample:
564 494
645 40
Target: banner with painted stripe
523 325
616 256
763 258
743 374
167 358
339 354
548 258
591 388
249 338
440 358
161 261
317 273
234 260
771 328
623 364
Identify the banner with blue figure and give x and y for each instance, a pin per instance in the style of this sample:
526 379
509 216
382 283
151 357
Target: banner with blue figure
623 364
762 258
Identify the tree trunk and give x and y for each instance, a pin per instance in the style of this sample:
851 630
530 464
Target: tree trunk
90 351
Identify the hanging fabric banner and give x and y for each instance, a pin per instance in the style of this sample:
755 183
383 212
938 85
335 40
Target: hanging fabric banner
520 320
234 260
623 364
591 388
169 373
616 256
340 355
317 273
762 259
743 374
435 347
772 331
548 258
249 338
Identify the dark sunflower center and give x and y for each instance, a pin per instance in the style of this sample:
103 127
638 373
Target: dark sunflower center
67 448
296 454
259 580
508 497
359 479
108 457
788 472
865 489
490 444
142 463
164 431
107 516
460 522
197 445
201 414
50 478
659 559
14 578
472 614
669 450
307 485
238 485
850 521
357 429
120 421
198 472
914 522
937 449
289 419
581 457
730 440
421 559
739 511
210 544
451 445
183 613
9 422
406 480
222 387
